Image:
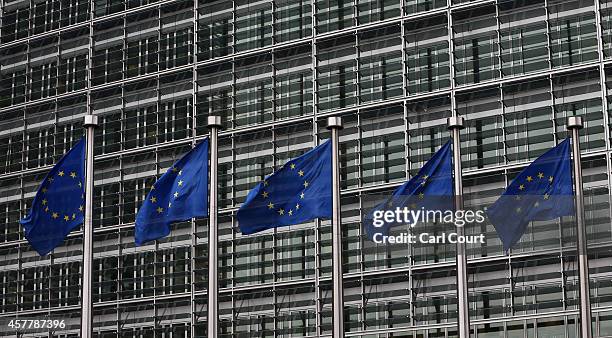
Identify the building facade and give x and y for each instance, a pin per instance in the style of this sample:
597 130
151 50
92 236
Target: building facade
274 70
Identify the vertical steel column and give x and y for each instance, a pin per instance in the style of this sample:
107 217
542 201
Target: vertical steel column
574 124
455 124
335 124
214 123
194 112
90 123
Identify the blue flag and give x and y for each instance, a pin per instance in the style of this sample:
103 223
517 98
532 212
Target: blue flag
542 191
59 202
300 191
431 189
180 194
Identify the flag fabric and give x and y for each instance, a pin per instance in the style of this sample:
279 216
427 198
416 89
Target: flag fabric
431 189
298 192
542 191
178 195
59 202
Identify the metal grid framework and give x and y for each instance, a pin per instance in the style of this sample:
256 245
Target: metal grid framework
274 70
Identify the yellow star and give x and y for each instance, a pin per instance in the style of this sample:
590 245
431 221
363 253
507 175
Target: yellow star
521 187
421 195
305 184
54 215
169 205
73 216
51 179
302 195
540 175
292 165
290 212
44 190
174 169
301 173
180 172
152 187
529 178
44 202
546 196
518 210
61 173
160 210
80 185
66 218
550 179
153 199
281 211
180 183
536 204
72 174
265 183
80 208
265 194
270 205
297 206
176 194
423 183
46 209
425 177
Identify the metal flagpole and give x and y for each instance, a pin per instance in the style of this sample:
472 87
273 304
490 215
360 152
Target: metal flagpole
90 123
334 124
214 123
455 124
574 124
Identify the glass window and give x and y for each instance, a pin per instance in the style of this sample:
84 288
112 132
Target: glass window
476 52
380 60
253 26
336 76
524 42
579 94
254 90
427 55
573 32
334 15
484 131
215 29
292 20
377 10
293 82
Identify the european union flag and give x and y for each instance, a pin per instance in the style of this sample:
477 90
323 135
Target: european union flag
180 194
540 192
298 192
431 189
59 203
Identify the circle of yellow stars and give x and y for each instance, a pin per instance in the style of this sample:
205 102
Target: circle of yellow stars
153 199
52 212
294 208
530 179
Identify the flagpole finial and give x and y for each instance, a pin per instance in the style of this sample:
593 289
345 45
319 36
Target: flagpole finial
455 122
213 121
574 122
334 122
90 121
